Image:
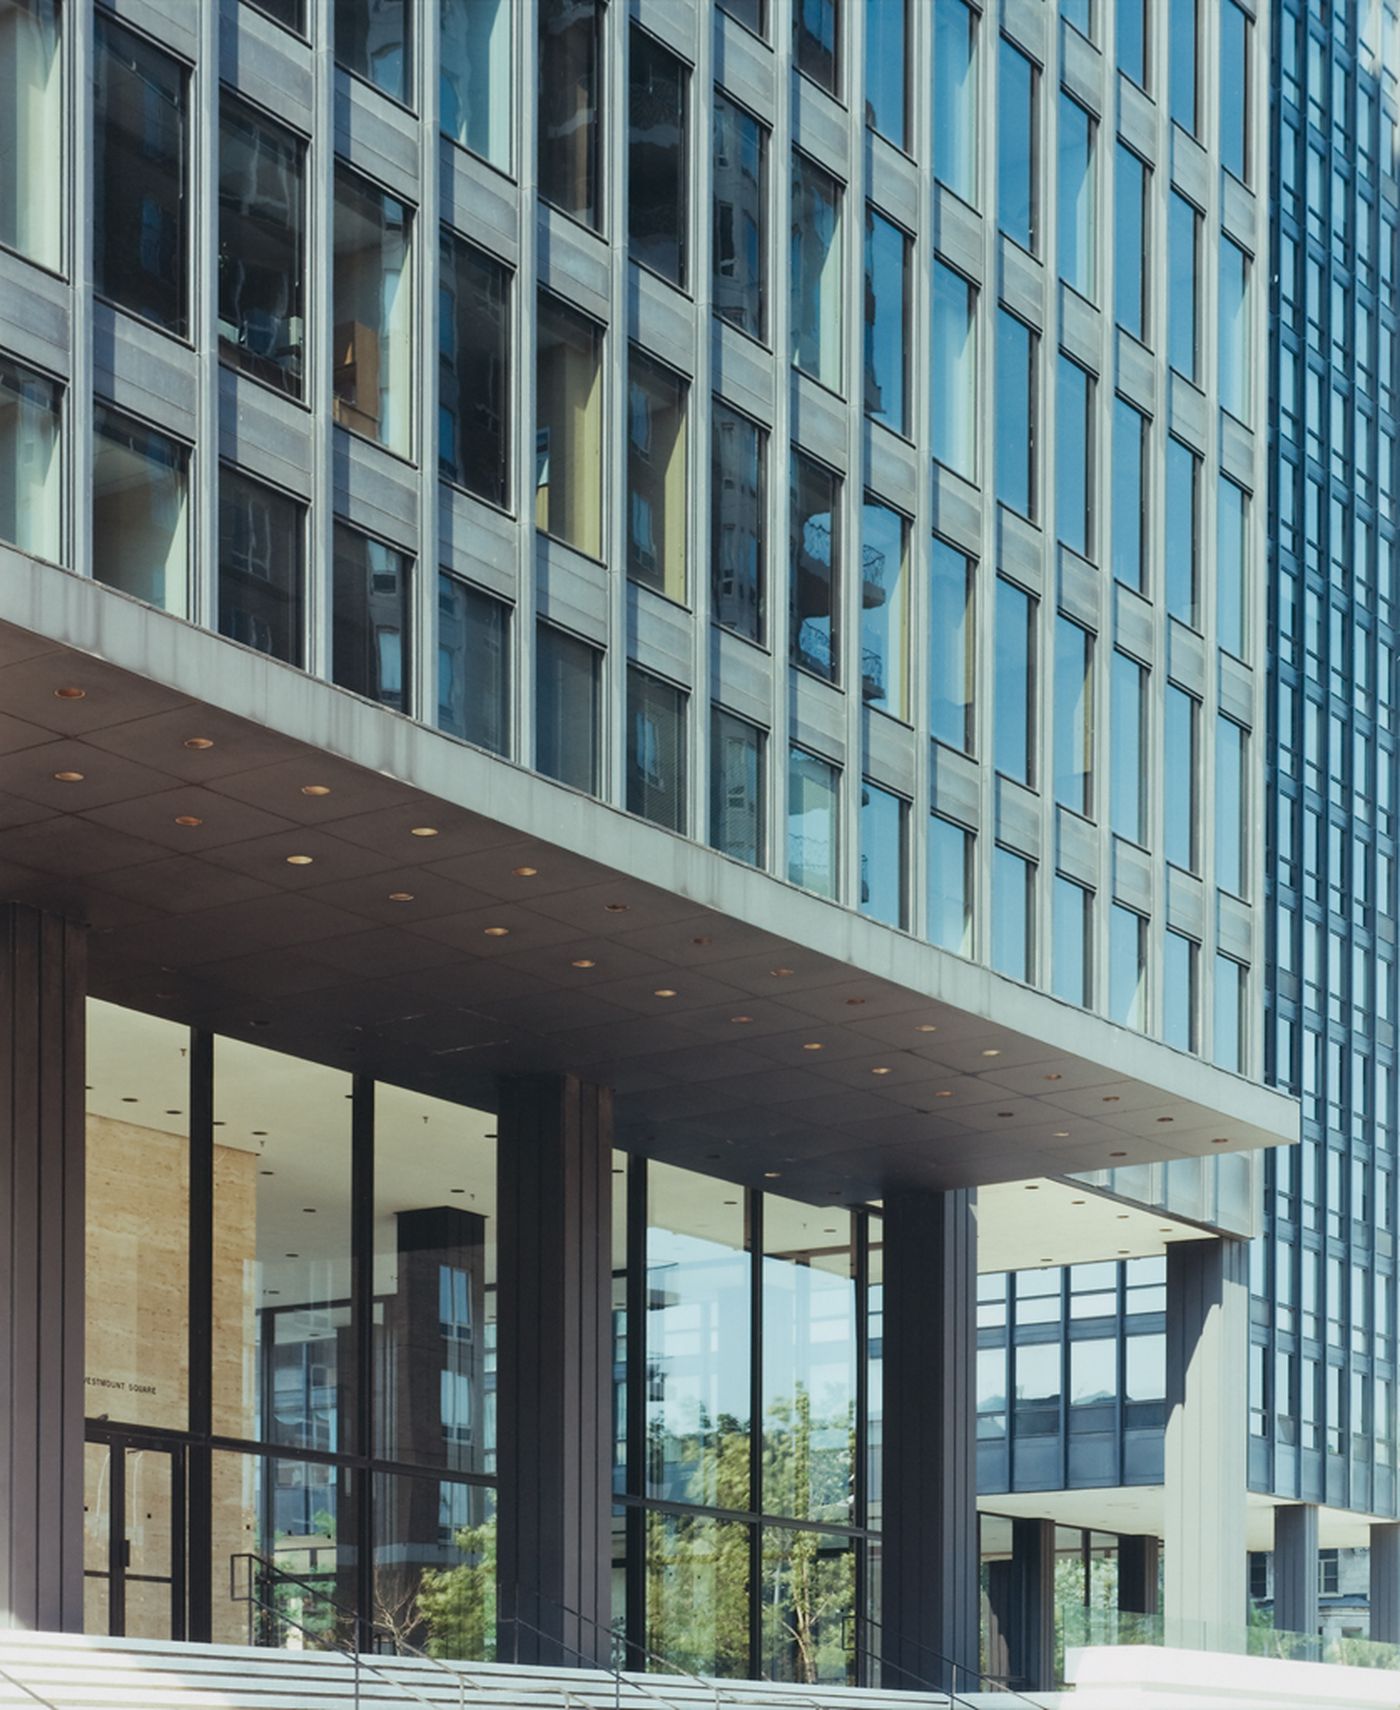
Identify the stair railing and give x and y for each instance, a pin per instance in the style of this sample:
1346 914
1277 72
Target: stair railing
26 1689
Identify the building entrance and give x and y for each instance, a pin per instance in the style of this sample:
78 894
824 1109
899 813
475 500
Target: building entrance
133 1537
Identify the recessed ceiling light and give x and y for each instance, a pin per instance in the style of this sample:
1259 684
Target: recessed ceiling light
741 1020
199 742
299 860
68 777
400 896
583 962
174 1113
258 1133
617 908
1165 1229
926 1027
780 973
272 1293
1166 1119
814 1045
881 1070
129 1098
855 1003
828 1231
1117 1154
291 1255
1111 1098
315 789
310 1210
260 1172
524 872
70 694
1221 1141
463 1190
703 939
992 1053
1032 1187
1122 1217
1123 1252
188 819
423 831
1079 1202
496 931
664 992
1052 1077
771 1175
731 1202
944 1092
1062 1133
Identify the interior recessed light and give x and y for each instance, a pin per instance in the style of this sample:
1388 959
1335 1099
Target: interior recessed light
199 742
991 1053
1079 1202
881 1070
71 693
664 992
617 908
1062 1133
257 1023
272 1293
855 1003
174 1113
944 1092
130 1098
68 777
1165 1229
260 1172
291 1255
1220 1141
1006 1113
583 962
258 1133
400 896
1117 1154
310 1210
1032 1187
299 860
813 1045
741 1020
1052 1077
780 973
731 1202
1111 1098
496 931
315 789
188 819
524 872
1123 1252
926 1027
703 939
1166 1119
1122 1217
423 831
771 1175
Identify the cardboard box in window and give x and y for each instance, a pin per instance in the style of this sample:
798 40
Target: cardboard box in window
355 378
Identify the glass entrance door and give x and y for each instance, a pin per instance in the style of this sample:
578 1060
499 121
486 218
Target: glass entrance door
134 1538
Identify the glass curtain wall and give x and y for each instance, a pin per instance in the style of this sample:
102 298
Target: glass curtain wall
262 221
31 130
31 461
474 46
140 510
372 290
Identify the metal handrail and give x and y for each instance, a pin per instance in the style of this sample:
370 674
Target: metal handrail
998 1682
283 1576
11 1680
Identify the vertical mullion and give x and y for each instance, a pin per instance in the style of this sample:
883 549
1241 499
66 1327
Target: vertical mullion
199 1531
635 1482
753 1209
362 1333
861 1232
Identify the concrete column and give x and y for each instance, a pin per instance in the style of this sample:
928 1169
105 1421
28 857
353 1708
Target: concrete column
43 976
554 1370
1207 1575
929 1561
1138 1556
1295 1568
1022 1599
1385 1583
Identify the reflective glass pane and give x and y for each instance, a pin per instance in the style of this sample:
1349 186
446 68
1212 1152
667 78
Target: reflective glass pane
568 100
569 426
262 220
656 508
1015 414
952 653
1013 918
1179 992
1074 457
1128 757
954 375
1183 238
886 321
370 631
1014 711
140 235
474 370
371 39
1130 486
658 179
1016 145
261 566
950 885
1236 333
738 495
883 855
1180 774
1231 560
1235 106
808 1598
740 218
1038 1385
886 68
1230 1019
1130 271
567 673
31 461
474 48
1132 40
884 614
814 564
435 1566
1231 793
697 1593
737 806
955 126
1071 948
816 272
140 503
1074 716
1181 515
372 289
473 638
1078 199
1127 967
31 97
1182 62
816 40
656 751
813 822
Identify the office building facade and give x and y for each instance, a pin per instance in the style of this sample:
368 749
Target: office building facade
635 656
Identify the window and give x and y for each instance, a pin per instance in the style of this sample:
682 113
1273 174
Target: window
656 509
262 225
474 337
1179 1007
816 272
288 13
569 426
1017 202
1014 712
884 859
31 461
741 219
372 290
737 788
1079 15
1183 242
569 94
1074 716
1130 243
1230 1018
814 567
1074 457
1232 566
1078 200
952 653
261 566
473 641
816 37
567 673
1013 914
658 176
954 378
656 770
475 83
1236 331
1182 62
1038 1387
1132 40
955 105
140 500
369 644
31 97
1236 113
1015 413
1127 967
140 236
886 321
1128 757
752 14
887 69
1181 765
814 788
950 885
1071 952
738 504
1130 487
1093 1373
1181 505
1231 791
371 39
884 618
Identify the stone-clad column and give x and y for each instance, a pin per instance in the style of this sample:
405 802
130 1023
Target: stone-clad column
1022 1599
1138 1556
1295 1568
1385 1583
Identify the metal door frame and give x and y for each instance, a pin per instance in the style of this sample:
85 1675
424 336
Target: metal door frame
119 1444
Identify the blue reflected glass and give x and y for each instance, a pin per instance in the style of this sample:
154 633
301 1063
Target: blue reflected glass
884 609
1071 959
955 128
1179 991
883 840
1127 756
814 558
1180 771
950 885
952 661
1129 492
1181 505
886 320
1183 223
1127 967
736 788
1231 783
954 371
1235 112
1015 399
1130 243
1012 914
887 68
816 272
1132 40
813 802
1078 199
1235 341
1016 152
1015 663
1073 413
1182 58
1229 1014
1079 13
1074 716
1232 526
